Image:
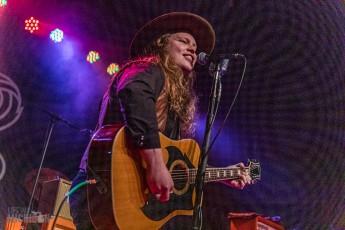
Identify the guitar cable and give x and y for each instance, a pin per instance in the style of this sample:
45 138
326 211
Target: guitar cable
101 187
70 192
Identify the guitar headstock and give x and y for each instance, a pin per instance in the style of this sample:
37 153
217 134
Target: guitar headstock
254 170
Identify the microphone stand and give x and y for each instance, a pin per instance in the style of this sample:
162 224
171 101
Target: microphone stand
54 118
221 68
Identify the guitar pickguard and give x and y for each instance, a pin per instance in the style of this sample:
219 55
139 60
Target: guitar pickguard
156 210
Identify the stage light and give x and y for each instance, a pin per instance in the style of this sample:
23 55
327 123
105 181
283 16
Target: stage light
31 24
113 68
3 3
56 35
92 57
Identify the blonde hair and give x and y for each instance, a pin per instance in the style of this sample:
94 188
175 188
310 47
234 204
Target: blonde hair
181 97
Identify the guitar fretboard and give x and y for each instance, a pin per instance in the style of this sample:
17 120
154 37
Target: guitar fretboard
216 174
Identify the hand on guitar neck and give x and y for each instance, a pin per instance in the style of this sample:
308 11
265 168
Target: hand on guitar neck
244 178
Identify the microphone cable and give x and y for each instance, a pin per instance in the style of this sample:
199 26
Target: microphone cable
70 192
231 106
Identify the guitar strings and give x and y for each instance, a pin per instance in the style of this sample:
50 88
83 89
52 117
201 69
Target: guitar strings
188 175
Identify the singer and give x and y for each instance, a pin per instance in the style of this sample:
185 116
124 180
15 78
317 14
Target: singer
153 93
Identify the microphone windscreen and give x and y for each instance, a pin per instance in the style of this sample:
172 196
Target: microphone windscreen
202 58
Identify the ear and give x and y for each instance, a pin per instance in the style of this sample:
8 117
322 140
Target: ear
162 40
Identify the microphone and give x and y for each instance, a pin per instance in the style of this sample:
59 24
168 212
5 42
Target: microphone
204 58
53 115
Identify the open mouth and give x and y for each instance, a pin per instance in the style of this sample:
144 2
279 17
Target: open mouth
189 58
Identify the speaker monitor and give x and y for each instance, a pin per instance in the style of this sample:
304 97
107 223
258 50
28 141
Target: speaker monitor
52 194
250 221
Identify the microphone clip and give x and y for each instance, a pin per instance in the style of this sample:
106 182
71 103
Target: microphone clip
221 67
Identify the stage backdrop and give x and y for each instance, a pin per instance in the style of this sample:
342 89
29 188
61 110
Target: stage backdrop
289 113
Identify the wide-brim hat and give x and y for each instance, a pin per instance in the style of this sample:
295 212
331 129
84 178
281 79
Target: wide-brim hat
174 22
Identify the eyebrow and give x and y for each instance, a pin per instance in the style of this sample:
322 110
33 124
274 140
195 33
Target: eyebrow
189 40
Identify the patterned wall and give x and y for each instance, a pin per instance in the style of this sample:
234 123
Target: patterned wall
289 114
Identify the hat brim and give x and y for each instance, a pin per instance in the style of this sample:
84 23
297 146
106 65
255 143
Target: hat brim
174 22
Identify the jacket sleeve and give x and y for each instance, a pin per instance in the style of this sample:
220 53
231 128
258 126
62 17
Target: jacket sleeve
138 89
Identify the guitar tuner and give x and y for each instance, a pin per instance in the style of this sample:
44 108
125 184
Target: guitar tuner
254 170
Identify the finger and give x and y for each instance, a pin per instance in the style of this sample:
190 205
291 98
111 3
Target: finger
243 178
156 191
241 165
236 184
249 179
246 178
165 196
240 184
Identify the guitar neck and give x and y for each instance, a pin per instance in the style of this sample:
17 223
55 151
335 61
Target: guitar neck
218 174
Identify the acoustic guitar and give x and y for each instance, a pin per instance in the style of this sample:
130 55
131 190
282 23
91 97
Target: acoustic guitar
122 200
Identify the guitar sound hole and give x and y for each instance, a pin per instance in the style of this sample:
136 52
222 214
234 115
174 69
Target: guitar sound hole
180 176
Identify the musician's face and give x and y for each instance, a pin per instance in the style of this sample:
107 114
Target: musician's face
182 50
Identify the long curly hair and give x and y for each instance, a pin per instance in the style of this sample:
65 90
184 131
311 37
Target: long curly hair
181 97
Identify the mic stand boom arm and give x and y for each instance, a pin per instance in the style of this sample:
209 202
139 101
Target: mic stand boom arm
212 109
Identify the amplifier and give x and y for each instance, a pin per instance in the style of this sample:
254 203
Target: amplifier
52 194
252 222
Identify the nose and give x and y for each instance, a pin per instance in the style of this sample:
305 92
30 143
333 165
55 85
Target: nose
192 49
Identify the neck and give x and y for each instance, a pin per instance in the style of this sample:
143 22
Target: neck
218 174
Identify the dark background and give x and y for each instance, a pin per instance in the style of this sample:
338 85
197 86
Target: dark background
289 114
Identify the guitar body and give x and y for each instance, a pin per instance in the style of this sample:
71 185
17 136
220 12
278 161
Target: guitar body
99 163
128 203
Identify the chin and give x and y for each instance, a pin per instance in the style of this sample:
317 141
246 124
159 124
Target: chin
186 71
